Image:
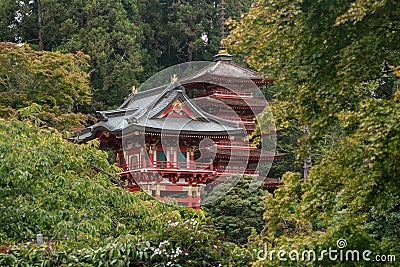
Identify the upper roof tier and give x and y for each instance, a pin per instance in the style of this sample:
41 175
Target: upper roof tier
223 69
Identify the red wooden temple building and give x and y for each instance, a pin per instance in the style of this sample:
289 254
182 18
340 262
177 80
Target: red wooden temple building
173 146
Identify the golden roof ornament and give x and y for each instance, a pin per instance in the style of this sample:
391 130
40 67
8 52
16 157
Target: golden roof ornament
174 78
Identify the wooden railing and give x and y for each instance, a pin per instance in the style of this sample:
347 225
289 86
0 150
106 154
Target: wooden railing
188 166
168 165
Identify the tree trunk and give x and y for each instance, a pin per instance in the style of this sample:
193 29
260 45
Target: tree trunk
39 25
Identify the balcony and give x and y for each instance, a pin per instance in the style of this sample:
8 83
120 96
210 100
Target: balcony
155 171
190 172
167 165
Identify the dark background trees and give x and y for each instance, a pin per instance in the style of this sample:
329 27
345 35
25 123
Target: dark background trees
239 212
128 41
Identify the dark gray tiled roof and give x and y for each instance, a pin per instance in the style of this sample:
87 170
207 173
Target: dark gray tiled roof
139 111
186 125
221 69
142 99
164 102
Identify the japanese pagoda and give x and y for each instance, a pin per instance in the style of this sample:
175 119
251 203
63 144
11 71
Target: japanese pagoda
173 146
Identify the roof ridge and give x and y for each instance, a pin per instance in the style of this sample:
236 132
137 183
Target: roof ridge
255 73
180 92
196 73
214 69
141 94
151 105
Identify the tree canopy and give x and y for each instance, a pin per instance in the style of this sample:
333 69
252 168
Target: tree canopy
336 64
318 57
54 84
239 213
107 31
54 188
128 41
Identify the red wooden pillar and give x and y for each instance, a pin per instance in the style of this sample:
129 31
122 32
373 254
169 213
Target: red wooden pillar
151 151
142 157
192 164
175 157
120 159
154 156
188 158
168 158
189 197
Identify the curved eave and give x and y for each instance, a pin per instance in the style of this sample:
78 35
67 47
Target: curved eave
93 134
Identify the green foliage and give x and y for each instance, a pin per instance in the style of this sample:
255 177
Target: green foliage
321 65
287 133
178 31
43 180
239 211
365 166
286 144
336 61
128 251
107 31
127 41
282 209
50 186
54 85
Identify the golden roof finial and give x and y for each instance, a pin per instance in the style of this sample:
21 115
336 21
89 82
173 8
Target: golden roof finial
174 78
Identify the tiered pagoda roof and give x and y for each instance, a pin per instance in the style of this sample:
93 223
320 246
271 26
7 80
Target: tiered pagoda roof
223 70
223 111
